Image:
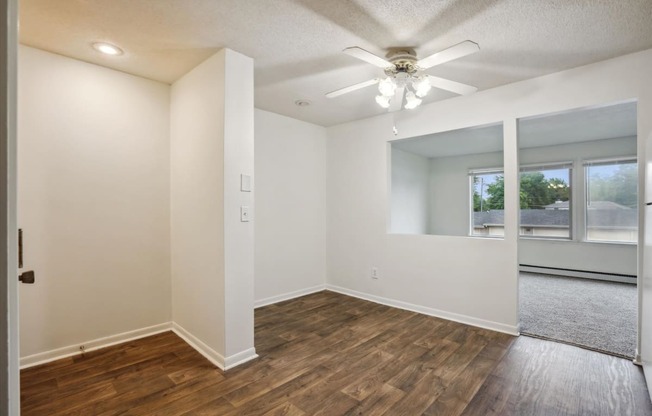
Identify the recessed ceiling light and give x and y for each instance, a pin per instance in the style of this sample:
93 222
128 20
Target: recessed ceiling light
107 48
302 103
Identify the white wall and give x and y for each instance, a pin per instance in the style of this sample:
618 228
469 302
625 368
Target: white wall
472 279
197 202
410 203
578 254
93 201
460 278
212 251
450 193
290 223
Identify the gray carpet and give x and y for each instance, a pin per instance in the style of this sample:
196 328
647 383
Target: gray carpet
589 313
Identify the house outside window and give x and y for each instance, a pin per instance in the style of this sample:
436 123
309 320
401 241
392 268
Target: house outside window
612 200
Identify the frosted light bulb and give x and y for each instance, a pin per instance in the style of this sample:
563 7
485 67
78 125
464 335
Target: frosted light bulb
383 101
422 86
387 87
411 101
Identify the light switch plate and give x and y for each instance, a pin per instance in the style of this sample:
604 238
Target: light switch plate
244 213
245 183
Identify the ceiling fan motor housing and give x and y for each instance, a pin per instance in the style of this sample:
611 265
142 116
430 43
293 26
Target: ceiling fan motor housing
403 60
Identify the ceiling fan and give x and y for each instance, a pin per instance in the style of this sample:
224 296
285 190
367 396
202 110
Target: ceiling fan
405 77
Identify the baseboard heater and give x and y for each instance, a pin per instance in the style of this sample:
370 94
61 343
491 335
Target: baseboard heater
612 277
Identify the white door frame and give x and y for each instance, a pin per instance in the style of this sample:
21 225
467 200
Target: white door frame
9 356
644 344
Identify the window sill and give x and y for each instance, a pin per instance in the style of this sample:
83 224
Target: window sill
570 240
487 237
616 243
564 239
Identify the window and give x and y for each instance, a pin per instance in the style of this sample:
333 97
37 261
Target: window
487 203
429 178
612 200
545 200
546 206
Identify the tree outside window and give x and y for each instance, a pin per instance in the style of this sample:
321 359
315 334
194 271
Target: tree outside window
544 201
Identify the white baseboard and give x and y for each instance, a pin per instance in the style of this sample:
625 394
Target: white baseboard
464 319
211 355
96 344
287 296
240 358
92 345
647 372
577 273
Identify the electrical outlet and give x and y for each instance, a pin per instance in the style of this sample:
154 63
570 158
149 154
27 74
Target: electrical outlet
374 272
244 213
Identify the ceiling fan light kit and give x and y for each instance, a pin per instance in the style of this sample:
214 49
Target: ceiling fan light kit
383 100
404 76
411 100
422 86
387 87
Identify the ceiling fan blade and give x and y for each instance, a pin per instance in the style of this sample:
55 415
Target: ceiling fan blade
452 86
353 87
368 57
397 102
461 49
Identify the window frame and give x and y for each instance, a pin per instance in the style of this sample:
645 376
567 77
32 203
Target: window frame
472 174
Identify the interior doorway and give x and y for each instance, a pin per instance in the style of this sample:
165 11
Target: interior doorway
578 230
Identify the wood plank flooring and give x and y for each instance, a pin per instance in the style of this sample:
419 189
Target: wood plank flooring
329 354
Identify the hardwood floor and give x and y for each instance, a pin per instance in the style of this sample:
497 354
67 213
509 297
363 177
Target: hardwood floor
329 354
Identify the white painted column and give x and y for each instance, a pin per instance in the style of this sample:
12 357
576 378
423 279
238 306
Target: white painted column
238 235
512 207
212 250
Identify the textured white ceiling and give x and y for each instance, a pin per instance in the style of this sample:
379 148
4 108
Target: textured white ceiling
575 126
468 141
296 44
